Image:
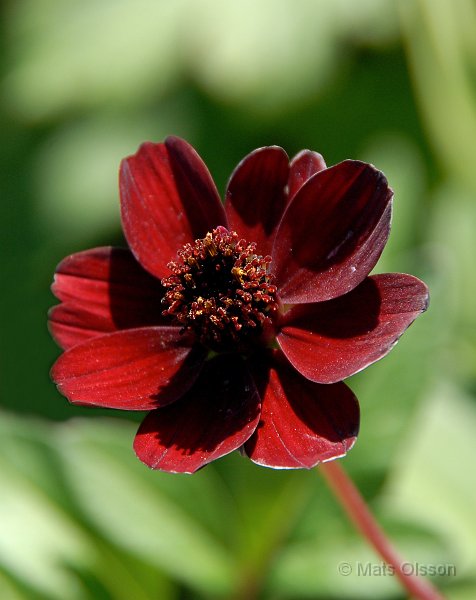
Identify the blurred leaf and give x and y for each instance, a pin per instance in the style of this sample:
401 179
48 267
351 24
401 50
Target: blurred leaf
125 502
439 39
271 53
266 54
8 590
67 55
311 569
374 23
270 504
37 537
401 162
76 173
262 53
451 231
430 484
46 548
117 576
463 591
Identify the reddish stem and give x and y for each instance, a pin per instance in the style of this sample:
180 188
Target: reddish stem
360 515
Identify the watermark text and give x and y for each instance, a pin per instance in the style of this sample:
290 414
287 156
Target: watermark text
381 569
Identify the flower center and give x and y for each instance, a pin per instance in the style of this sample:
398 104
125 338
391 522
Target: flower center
220 289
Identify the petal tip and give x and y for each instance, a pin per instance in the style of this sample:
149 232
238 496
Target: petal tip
308 153
174 142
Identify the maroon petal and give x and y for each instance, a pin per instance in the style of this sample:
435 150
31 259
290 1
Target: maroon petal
216 417
102 290
332 233
332 340
302 167
136 369
302 423
256 196
168 199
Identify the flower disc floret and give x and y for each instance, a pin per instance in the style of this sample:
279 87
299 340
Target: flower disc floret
220 289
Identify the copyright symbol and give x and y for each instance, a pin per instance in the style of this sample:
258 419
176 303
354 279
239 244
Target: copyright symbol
344 569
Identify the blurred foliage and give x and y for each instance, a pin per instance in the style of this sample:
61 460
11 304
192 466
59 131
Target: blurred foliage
389 81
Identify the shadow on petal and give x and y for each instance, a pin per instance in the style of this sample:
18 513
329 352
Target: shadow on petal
214 418
332 233
354 314
329 341
134 295
133 369
102 290
196 188
302 423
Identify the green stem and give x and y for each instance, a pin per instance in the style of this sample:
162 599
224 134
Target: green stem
359 513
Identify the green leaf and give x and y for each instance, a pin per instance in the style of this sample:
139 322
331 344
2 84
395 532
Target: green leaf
317 568
432 483
125 502
47 550
399 158
68 55
452 232
76 170
37 537
439 41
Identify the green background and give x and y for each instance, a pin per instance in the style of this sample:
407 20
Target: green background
82 85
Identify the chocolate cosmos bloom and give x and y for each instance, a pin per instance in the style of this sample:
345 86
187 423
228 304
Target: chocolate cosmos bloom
234 324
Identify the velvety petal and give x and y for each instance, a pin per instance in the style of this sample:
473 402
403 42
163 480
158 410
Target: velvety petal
136 369
168 198
256 196
301 168
216 417
332 233
102 290
302 423
332 340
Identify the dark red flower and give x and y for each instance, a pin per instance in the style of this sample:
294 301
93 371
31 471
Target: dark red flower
234 324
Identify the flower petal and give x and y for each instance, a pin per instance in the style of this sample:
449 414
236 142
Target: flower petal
332 233
216 417
168 199
302 423
102 290
136 369
301 168
256 196
332 340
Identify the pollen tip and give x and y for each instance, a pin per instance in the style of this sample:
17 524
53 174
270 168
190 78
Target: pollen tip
220 289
